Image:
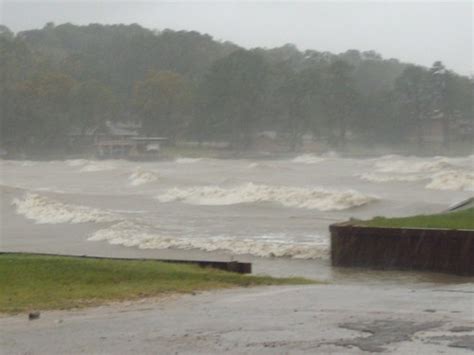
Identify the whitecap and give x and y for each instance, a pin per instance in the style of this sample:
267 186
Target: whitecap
141 177
452 180
44 210
299 197
307 159
130 234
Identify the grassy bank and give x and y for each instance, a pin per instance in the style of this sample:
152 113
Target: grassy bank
463 219
30 282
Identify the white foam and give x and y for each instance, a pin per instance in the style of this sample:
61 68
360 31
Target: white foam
28 163
76 162
187 160
133 235
46 210
393 164
452 180
381 177
140 177
310 198
331 154
307 159
256 165
407 166
95 166
445 173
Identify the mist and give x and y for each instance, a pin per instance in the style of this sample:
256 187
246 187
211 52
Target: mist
418 32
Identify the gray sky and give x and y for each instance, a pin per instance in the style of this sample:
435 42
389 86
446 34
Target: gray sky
419 32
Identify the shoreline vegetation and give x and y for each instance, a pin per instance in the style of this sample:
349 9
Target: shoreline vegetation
463 219
183 150
34 282
70 86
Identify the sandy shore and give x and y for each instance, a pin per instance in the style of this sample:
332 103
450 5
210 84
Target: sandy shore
322 319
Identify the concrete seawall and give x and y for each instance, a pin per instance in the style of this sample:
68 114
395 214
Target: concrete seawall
441 250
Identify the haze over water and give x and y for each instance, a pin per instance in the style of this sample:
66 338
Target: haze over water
263 208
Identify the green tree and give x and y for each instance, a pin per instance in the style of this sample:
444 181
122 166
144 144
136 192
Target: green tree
92 103
41 111
414 99
163 102
235 90
339 99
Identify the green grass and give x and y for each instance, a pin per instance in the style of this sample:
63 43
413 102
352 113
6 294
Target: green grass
33 282
463 219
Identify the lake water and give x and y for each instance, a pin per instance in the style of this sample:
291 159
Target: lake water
259 208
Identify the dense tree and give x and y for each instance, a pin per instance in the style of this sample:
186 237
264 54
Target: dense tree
339 100
92 103
235 92
186 85
163 102
39 114
415 99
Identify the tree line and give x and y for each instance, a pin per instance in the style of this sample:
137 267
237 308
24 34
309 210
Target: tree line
187 86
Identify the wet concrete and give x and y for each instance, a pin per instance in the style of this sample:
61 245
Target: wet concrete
323 319
463 341
383 333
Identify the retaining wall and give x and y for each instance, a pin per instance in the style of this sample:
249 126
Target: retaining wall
441 250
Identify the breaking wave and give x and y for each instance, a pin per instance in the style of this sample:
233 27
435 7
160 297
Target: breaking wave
133 235
76 162
94 166
256 165
46 210
444 173
452 180
141 177
187 160
377 177
309 198
307 159
393 164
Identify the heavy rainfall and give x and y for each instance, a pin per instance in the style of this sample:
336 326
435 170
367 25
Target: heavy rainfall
119 140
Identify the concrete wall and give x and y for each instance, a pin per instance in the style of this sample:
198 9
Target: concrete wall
450 251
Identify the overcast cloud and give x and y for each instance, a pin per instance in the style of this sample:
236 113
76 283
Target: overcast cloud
419 32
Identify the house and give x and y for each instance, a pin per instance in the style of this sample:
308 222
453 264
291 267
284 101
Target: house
118 140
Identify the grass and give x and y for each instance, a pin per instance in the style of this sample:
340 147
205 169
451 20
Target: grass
463 219
33 282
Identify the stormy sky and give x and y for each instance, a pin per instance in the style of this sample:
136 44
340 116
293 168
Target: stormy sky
419 32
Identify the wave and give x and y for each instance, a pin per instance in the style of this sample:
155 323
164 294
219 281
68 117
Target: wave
299 197
187 160
76 162
44 210
133 235
28 163
452 180
141 177
407 166
330 154
377 177
445 173
256 165
95 166
307 159
418 165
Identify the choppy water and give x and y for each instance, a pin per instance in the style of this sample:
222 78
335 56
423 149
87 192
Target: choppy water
258 207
